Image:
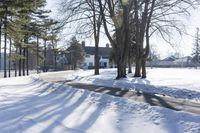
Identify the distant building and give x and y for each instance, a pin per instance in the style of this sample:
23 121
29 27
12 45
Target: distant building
184 62
60 61
104 53
167 62
175 62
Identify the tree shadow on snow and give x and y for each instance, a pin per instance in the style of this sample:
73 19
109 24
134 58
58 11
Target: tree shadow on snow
54 106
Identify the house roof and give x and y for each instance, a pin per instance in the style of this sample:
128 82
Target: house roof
181 59
184 59
171 58
104 52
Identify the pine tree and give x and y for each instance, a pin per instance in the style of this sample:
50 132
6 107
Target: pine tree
48 23
76 52
196 49
19 28
30 22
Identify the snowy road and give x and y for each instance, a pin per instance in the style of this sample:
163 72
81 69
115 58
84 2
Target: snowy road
177 99
179 83
152 99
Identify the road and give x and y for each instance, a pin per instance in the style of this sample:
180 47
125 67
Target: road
153 99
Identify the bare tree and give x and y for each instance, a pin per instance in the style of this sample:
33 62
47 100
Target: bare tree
161 16
85 16
118 14
131 23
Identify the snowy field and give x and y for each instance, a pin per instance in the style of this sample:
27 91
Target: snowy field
181 83
30 105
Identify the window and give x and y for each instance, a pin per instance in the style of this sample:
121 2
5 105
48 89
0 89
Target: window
90 64
87 55
105 64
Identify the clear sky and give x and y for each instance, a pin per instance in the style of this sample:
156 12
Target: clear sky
183 45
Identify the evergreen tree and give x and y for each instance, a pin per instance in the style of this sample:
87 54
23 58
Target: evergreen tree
76 53
21 22
196 49
46 36
19 28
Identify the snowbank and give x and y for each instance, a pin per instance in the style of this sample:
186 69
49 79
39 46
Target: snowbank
180 83
30 105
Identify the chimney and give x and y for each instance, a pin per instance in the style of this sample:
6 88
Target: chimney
83 44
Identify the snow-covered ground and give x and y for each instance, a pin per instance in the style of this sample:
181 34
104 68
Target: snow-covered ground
176 82
29 105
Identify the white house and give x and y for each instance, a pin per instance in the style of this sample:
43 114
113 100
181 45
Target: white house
104 53
89 62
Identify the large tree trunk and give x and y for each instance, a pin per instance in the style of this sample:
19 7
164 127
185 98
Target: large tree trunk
140 33
121 69
129 65
121 63
96 27
97 58
137 68
147 49
121 60
122 38
129 59
137 58
144 73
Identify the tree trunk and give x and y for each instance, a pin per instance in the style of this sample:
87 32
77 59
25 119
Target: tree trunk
16 63
96 72
122 38
96 28
137 59
129 59
5 54
23 61
45 55
27 62
129 65
144 73
20 61
137 68
9 63
5 46
147 49
121 70
55 62
37 57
